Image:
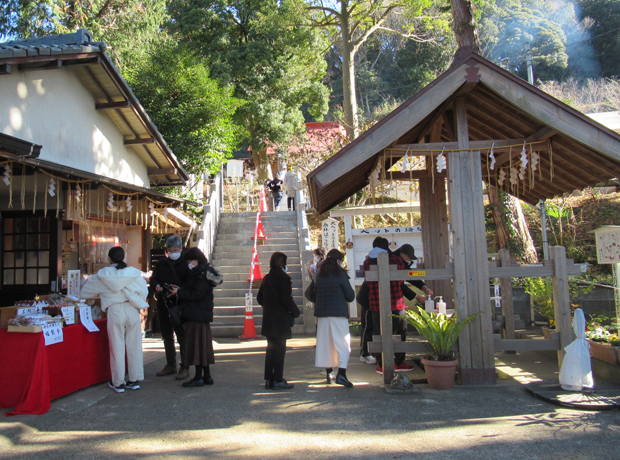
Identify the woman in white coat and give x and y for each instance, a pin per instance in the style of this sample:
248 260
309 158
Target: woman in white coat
123 292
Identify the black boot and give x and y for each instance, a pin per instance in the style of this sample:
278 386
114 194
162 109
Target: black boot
341 378
197 381
206 375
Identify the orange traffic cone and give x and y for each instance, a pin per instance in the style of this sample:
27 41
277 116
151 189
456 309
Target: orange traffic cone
260 233
263 201
249 330
255 277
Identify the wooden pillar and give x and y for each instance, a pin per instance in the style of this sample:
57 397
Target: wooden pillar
561 299
385 310
435 242
471 271
507 305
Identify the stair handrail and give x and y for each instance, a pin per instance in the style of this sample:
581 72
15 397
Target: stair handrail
254 251
305 250
212 212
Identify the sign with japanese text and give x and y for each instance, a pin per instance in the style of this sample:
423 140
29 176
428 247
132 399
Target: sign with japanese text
608 244
417 273
86 318
329 234
69 314
386 230
52 333
73 283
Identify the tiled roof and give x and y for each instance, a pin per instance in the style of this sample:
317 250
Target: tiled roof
50 45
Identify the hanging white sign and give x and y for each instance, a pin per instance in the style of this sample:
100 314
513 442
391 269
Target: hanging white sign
86 318
329 233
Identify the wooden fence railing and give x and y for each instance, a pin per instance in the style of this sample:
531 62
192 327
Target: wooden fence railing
558 268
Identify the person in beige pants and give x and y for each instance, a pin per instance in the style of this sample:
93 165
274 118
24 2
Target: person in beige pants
123 292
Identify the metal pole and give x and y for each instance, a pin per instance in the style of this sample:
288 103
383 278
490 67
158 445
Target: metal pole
530 66
543 224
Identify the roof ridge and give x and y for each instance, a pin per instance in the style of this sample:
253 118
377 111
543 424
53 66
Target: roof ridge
80 37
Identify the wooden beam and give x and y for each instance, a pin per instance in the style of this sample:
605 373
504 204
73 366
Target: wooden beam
417 174
6 69
162 172
561 299
139 141
542 134
51 65
499 145
506 290
92 61
385 310
112 105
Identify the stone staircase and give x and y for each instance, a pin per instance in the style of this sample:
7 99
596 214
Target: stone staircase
232 255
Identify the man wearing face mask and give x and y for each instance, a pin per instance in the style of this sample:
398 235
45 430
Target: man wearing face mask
171 270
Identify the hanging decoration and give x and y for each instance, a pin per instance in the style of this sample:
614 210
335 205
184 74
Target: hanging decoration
151 208
441 162
523 158
128 203
502 177
513 177
110 201
78 193
492 156
51 187
6 177
405 162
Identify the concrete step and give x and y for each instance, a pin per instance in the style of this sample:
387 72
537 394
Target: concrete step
263 260
232 269
229 303
228 219
249 228
263 214
241 240
240 293
237 331
245 276
270 244
243 248
269 235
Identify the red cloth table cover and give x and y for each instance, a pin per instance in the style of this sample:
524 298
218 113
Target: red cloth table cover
32 374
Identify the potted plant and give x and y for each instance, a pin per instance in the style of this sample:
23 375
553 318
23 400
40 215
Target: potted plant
602 334
441 333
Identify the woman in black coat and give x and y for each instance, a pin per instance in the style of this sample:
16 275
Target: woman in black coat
195 299
279 312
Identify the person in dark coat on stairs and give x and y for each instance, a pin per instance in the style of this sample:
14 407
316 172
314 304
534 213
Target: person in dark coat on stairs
279 313
196 306
172 269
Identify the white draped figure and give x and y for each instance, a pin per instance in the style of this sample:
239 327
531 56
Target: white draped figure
576 370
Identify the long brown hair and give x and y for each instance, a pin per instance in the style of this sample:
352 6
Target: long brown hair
330 267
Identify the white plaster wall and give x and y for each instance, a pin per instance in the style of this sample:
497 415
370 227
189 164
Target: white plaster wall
53 109
134 248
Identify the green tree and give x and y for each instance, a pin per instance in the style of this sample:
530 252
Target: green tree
603 19
125 25
193 113
274 67
350 23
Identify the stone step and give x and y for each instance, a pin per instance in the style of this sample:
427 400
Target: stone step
249 228
232 269
270 244
269 234
226 304
242 291
263 214
237 331
234 240
227 219
263 260
245 276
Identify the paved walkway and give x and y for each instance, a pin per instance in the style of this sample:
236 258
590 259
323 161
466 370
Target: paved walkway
238 419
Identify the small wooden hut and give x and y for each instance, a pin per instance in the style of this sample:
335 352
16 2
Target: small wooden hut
486 125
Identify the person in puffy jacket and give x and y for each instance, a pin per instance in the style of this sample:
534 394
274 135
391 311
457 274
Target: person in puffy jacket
123 291
170 270
333 340
279 312
195 299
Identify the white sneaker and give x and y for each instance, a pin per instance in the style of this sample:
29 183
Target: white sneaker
370 359
118 389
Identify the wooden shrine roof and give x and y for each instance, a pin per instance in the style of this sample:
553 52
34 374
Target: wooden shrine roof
78 52
503 112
